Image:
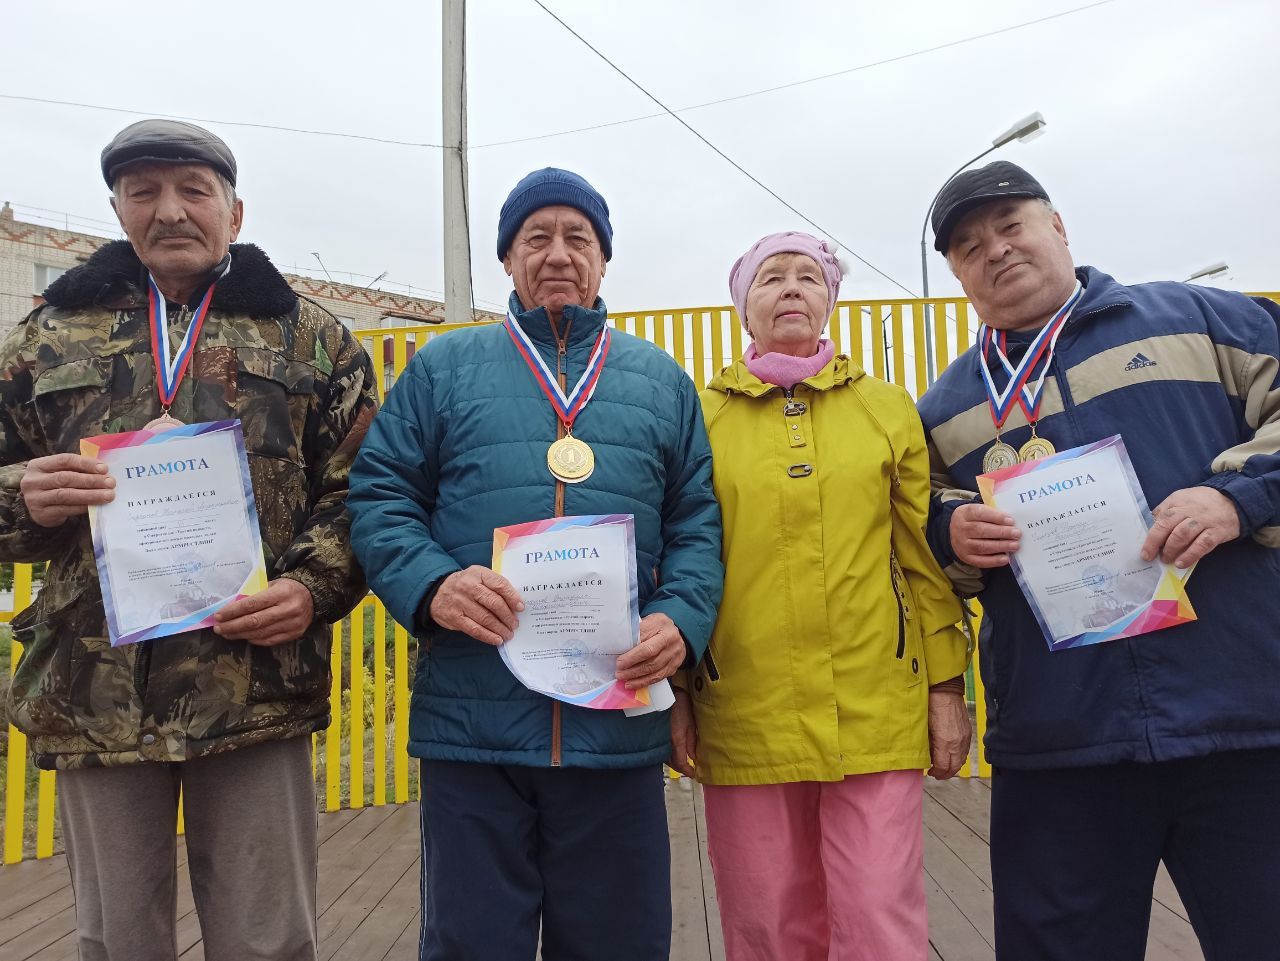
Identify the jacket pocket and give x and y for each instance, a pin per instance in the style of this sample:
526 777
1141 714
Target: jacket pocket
909 646
59 639
73 400
273 391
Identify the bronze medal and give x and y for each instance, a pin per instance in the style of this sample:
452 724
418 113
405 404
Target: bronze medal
998 457
163 423
1036 449
570 460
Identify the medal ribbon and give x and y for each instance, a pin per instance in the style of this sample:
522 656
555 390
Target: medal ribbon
1001 402
171 369
568 407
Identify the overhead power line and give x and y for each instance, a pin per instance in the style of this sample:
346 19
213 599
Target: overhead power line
346 135
733 163
798 83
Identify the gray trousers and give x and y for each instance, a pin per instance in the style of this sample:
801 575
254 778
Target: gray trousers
251 848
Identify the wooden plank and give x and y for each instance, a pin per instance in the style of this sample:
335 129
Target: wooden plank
961 839
26 887
406 946
963 888
967 799
952 934
399 849
1167 895
380 932
688 914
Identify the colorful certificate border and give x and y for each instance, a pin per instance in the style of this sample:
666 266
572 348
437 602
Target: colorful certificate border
1168 605
255 582
614 695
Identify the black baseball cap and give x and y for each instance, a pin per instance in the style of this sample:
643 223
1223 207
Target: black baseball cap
166 141
972 188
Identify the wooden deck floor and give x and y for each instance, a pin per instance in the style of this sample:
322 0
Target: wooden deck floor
369 901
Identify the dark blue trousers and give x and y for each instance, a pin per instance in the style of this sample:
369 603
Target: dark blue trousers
583 853
1074 855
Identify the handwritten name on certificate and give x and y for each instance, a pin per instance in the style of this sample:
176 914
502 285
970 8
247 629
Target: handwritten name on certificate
1083 518
180 540
577 576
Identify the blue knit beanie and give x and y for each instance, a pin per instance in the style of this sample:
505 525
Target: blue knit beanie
550 187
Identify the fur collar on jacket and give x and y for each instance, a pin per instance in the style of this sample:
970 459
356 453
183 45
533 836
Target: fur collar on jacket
113 278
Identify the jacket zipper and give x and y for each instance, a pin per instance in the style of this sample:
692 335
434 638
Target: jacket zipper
562 349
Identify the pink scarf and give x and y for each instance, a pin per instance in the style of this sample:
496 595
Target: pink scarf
785 370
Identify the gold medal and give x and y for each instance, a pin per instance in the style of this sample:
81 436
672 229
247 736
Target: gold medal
163 423
998 457
570 460
1036 449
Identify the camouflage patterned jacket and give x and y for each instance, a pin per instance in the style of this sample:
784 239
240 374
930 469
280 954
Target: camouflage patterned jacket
304 390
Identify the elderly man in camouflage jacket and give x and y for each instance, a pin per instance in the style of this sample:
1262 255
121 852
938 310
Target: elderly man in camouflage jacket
222 713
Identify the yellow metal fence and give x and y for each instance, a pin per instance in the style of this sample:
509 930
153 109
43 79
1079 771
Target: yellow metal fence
362 757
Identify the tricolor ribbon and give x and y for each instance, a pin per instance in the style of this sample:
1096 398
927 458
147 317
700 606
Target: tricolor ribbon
567 407
171 368
1018 391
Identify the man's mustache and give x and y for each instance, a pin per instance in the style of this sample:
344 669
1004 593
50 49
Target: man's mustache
167 232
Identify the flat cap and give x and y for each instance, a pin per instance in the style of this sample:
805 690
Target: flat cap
166 141
972 188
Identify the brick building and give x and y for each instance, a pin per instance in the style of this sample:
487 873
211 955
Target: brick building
32 256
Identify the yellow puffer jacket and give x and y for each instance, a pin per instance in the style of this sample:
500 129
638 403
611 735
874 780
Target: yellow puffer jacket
836 617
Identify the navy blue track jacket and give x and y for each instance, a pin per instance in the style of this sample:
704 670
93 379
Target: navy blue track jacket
1190 377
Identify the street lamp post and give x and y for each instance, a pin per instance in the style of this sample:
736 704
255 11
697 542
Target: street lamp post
1028 128
1212 272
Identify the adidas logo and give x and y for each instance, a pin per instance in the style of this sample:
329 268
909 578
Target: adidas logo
1139 361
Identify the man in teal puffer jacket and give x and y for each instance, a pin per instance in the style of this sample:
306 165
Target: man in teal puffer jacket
536 812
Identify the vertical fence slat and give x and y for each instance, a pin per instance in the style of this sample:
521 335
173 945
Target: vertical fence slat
980 698
941 338
356 687
15 814
678 340
401 698
333 735
919 318
857 346
737 339
877 340
698 320
379 704
46 789
897 348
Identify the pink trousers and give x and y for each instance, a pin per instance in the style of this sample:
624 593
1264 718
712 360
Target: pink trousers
819 871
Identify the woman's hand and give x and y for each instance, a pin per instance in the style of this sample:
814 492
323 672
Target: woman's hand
949 733
684 736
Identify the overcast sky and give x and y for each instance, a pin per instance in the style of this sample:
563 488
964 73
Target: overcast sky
1161 147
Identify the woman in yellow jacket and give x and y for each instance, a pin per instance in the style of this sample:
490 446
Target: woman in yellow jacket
833 676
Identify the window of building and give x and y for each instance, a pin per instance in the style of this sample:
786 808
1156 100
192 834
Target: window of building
45 275
347 322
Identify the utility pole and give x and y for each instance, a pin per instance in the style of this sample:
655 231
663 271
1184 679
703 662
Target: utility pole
457 244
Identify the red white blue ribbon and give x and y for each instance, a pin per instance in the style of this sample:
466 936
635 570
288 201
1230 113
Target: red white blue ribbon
1018 391
567 406
172 367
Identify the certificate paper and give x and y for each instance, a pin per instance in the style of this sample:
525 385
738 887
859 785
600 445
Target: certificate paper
181 540
577 576
1083 518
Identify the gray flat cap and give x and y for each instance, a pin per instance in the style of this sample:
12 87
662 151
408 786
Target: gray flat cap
166 141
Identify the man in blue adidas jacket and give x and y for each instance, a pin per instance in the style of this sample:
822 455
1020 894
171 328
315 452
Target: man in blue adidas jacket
536 812
1166 746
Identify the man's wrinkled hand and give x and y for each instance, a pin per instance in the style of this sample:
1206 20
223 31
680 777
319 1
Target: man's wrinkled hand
64 485
278 615
1189 524
659 654
480 603
949 733
684 736
982 536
